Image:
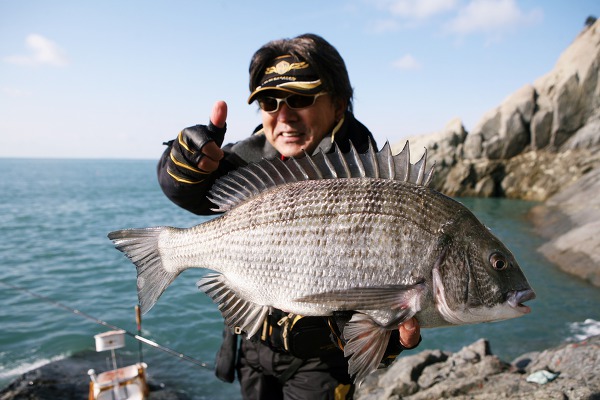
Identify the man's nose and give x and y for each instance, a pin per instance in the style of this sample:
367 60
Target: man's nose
285 113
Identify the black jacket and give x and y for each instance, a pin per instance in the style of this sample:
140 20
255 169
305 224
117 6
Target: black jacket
192 196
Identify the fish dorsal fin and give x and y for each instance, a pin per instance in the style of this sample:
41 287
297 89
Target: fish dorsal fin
249 181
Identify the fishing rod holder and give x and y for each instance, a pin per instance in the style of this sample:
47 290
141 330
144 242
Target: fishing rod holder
126 383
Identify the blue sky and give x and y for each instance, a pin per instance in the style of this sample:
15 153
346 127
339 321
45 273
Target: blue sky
115 79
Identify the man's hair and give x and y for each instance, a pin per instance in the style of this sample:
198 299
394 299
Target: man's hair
315 50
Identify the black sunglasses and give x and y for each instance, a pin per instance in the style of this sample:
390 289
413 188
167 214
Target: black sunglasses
294 101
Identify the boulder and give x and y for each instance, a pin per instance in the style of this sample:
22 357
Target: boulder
541 128
567 371
587 137
570 220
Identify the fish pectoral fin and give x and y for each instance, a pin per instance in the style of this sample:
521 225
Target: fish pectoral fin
238 312
366 342
395 297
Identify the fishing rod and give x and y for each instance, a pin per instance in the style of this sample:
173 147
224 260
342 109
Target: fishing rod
137 336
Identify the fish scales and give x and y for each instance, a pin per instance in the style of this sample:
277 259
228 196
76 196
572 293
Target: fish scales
287 251
333 236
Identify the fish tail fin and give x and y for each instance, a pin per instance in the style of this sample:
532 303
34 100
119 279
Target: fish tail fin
141 247
366 344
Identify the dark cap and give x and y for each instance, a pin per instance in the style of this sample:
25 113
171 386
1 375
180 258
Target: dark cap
288 74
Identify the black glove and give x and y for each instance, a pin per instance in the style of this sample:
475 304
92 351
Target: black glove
186 151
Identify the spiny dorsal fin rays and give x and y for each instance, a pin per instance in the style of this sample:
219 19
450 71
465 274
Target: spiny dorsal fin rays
249 181
301 173
370 162
429 175
273 173
386 161
402 164
339 162
283 169
312 171
325 165
418 173
357 168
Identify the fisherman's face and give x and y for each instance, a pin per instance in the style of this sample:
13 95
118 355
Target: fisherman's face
295 131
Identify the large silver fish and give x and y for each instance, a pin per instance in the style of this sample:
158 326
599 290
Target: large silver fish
337 232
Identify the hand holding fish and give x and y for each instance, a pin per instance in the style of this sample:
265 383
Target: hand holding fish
410 333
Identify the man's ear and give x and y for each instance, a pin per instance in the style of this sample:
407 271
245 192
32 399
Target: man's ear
340 108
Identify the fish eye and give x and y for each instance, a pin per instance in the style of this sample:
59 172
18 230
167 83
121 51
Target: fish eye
498 261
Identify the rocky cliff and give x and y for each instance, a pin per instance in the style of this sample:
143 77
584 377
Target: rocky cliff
542 143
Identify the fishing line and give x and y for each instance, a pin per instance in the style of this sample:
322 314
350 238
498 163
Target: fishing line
113 327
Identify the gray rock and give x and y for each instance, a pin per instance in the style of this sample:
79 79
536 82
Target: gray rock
486 187
568 113
585 138
475 373
398 379
473 148
541 127
571 221
504 131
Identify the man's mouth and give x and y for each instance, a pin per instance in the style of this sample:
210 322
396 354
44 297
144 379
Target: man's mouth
290 134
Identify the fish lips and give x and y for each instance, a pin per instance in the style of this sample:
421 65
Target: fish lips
516 298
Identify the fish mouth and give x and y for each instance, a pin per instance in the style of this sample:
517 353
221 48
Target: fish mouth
516 298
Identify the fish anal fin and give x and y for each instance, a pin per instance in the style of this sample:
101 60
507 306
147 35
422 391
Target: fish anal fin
237 312
366 342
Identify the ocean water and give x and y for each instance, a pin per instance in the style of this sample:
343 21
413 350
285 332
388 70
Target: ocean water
54 217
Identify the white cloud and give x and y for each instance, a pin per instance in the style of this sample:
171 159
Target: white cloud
491 16
407 62
42 51
419 9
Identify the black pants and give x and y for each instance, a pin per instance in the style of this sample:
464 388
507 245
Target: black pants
260 369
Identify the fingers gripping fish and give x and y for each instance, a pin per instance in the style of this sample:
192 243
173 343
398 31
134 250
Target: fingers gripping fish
337 232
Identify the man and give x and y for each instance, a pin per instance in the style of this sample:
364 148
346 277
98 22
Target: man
303 90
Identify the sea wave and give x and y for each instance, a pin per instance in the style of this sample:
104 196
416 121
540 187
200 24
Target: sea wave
8 372
583 330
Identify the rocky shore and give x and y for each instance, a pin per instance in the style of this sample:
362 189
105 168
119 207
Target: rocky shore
543 144
569 371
